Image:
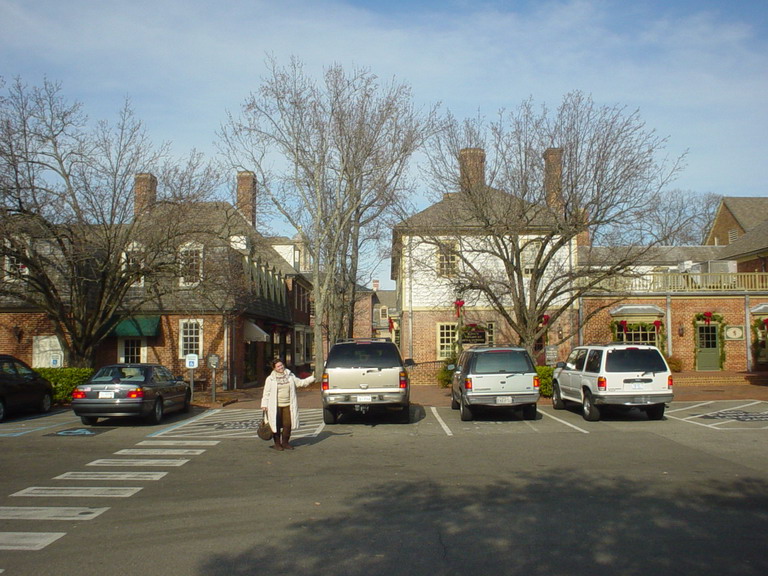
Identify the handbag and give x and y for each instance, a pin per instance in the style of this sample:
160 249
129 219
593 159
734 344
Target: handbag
264 431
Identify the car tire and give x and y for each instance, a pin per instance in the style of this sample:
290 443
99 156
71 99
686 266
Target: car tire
46 402
590 412
465 411
156 416
454 403
187 401
529 412
2 409
89 420
655 412
329 416
404 416
557 399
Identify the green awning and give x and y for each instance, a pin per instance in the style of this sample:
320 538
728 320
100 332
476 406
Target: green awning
137 327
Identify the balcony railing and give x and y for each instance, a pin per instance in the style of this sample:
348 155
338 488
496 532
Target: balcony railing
663 282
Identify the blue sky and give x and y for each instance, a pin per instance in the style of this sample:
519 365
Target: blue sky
696 70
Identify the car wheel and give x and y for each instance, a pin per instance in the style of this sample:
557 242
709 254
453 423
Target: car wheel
404 415
89 420
465 411
2 410
590 412
529 412
454 403
45 403
655 412
557 399
329 415
157 412
187 401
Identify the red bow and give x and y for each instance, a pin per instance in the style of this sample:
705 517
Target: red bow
707 317
623 325
545 319
458 304
657 323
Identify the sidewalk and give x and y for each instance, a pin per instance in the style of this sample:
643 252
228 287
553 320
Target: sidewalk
688 391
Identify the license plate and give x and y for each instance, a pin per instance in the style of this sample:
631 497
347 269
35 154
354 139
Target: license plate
106 394
364 398
504 400
638 386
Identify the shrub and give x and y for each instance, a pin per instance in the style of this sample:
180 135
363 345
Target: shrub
64 381
675 364
545 380
445 375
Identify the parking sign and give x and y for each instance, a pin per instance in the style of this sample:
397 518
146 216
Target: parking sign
191 361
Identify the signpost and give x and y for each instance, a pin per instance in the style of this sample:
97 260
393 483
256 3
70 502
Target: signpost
190 361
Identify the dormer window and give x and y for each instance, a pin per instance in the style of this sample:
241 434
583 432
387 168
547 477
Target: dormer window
133 263
190 264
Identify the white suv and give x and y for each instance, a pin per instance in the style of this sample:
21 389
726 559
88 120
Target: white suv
613 374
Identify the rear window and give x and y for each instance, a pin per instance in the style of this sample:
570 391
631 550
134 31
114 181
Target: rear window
368 355
110 373
502 361
634 360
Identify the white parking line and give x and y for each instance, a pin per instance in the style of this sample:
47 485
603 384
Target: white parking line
442 423
668 411
564 422
178 443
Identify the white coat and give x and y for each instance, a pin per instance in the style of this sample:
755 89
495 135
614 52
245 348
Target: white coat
269 397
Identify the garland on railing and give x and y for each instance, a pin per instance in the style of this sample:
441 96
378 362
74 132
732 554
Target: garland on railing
759 336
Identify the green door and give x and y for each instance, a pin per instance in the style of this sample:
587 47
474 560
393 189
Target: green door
708 357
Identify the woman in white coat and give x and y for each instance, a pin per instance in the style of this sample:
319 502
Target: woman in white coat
280 404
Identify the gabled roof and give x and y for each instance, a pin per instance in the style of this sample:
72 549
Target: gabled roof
753 242
656 256
749 212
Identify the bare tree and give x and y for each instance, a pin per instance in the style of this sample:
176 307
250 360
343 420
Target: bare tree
526 214
331 158
683 217
74 242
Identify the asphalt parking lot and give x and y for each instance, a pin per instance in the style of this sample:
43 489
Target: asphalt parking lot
436 496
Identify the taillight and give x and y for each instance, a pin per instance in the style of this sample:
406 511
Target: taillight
669 382
467 383
403 379
78 395
135 393
324 385
536 382
601 383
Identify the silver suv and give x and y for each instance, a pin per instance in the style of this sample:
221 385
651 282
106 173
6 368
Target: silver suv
499 376
613 374
365 373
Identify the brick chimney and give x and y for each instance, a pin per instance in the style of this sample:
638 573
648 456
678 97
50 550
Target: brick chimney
471 168
246 195
144 192
553 178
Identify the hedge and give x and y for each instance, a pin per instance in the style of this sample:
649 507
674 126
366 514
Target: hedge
64 381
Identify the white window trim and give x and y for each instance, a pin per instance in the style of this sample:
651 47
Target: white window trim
201 346
191 247
121 348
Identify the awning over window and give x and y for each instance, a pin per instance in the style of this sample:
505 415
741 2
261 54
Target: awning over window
255 334
137 327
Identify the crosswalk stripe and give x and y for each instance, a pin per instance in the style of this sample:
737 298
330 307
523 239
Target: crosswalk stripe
137 462
49 513
78 491
159 452
150 476
28 540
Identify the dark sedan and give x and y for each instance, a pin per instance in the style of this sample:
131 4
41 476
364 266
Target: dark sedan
144 390
22 388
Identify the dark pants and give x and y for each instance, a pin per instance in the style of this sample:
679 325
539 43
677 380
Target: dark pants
283 419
